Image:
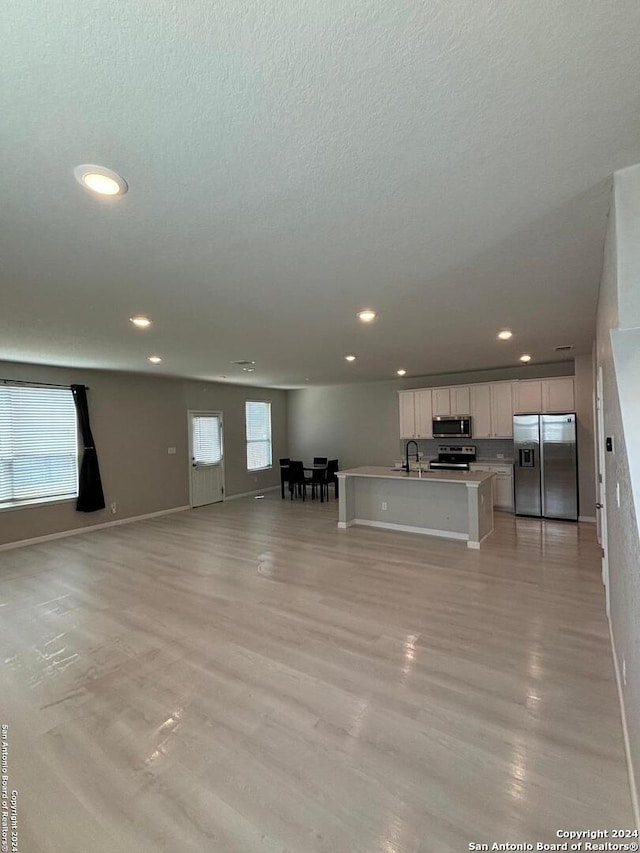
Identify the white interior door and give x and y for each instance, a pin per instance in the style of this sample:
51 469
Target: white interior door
207 458
601 506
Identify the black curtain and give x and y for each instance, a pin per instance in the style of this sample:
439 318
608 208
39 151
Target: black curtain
90 495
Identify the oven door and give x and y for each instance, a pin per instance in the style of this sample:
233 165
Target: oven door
448 427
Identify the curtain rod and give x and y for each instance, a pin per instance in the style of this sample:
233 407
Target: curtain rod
37 384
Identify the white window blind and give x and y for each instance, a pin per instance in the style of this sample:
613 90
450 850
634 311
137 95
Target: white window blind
38 444
258 420
206 440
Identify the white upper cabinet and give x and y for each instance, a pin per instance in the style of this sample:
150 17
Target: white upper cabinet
480 410
528 396
490 404
407 414
558 395
423 413
502 409
460 402
441 402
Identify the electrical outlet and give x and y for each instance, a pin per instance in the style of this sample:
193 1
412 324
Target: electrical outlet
500 455
624 672
114 507
171 451
384 506
618 494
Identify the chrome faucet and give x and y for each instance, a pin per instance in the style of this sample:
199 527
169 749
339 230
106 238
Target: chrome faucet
405 467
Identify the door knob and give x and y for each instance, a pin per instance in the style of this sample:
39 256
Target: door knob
598 506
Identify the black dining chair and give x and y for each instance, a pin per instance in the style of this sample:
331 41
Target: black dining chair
297 481
333 466
318 481
284 473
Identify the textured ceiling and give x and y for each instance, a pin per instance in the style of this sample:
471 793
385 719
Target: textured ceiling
290 163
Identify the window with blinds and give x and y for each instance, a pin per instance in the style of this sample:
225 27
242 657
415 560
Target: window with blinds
38 444
206 440
258 421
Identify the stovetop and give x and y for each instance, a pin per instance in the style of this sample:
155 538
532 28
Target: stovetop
454 457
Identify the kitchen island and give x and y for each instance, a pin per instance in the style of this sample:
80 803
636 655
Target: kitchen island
450 504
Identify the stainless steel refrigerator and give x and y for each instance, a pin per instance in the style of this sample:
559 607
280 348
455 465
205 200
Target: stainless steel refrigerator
546 469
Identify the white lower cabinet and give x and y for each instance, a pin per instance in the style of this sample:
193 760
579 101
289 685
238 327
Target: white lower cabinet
502 483
503 490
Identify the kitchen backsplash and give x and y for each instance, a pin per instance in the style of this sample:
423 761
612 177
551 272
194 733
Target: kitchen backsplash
486 448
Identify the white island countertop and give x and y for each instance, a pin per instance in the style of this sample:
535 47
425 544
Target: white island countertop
469 478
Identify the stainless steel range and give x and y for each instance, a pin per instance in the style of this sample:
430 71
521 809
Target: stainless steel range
453 457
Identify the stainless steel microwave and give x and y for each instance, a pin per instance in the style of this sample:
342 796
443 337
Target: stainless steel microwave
452 426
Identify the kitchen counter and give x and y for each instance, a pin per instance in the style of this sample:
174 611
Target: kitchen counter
427 476
480 460
449 504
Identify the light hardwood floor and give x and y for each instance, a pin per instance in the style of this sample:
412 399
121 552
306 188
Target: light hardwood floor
245 677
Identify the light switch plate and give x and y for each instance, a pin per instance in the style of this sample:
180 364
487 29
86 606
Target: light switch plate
171 451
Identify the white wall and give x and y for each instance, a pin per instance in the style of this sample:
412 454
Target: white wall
585 431
627 205
617 355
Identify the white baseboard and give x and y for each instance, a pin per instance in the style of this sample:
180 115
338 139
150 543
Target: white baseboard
590 519
343 525
475 544
21 543
250 494
625 734
405 528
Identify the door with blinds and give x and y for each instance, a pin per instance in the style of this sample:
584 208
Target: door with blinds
207 458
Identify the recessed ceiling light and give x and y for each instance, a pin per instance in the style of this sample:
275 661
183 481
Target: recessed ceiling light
140 322
401 372
349 358
248 369
367 315
505 334
525 358
155 359
242 361
100 180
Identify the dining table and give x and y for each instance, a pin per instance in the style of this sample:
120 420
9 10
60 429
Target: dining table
310 467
